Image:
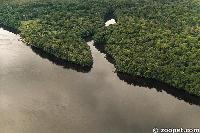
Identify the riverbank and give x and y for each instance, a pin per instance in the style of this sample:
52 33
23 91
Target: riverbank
156 40
38 95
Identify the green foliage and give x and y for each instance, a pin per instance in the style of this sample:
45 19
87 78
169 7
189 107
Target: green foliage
157 39
58 27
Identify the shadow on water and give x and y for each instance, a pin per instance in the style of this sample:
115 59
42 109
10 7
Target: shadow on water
52 58
65 64
101 48
10 29
159 86
129 79
151 83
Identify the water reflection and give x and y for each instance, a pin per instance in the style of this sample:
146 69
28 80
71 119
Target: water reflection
131 80
60 62
15 31
159 86
37 95
150 83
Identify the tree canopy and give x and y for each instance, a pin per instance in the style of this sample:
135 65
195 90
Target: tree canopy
157 39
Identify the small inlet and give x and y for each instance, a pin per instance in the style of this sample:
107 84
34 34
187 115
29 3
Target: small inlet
110 22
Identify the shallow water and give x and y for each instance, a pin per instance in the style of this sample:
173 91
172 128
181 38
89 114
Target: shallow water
40 96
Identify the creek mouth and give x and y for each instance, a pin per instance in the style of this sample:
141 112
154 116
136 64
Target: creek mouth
38 95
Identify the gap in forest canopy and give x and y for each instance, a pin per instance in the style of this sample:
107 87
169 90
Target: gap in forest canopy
110 22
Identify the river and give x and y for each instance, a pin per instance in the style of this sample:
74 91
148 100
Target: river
38 95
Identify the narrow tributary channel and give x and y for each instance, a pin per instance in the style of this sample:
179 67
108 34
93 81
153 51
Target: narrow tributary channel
39 96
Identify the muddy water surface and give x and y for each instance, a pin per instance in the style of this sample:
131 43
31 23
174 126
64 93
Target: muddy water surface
39 96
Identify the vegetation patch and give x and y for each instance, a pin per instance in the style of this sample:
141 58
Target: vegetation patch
157 39
57 27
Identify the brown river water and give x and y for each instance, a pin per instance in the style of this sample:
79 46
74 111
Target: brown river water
40 95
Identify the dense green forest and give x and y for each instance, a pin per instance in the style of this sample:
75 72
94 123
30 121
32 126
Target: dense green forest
58 27
158 39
